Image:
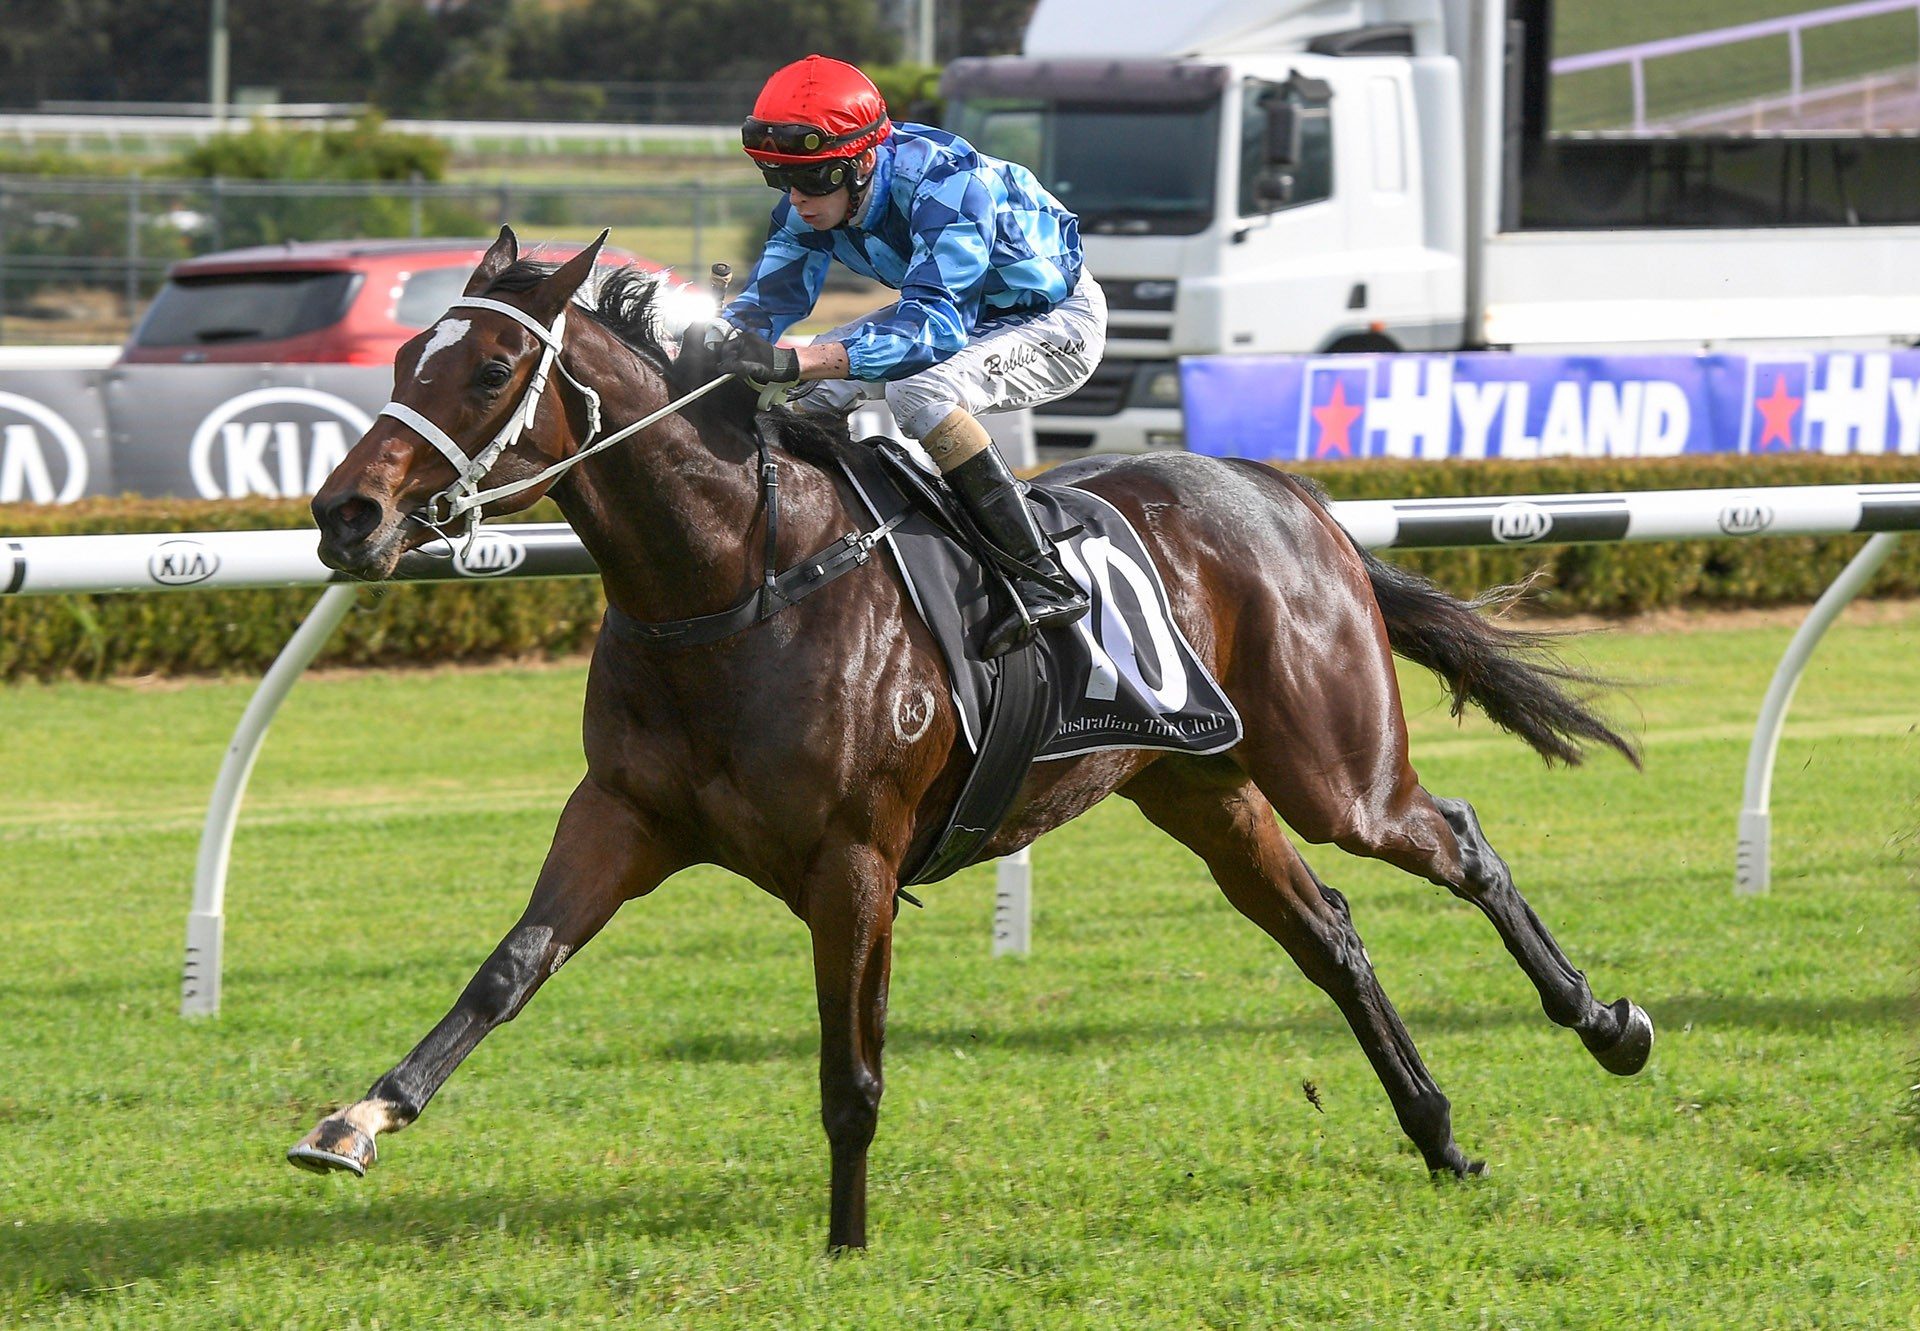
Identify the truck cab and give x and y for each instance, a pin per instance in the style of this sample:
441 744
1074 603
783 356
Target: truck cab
1318 176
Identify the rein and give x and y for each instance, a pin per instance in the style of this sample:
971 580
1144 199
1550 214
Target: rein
464 495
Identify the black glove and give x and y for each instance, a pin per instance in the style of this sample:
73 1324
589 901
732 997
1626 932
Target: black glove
754 358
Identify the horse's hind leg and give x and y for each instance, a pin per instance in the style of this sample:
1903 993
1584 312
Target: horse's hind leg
1441 841
600 858
1620 1036
1326 741
1230 825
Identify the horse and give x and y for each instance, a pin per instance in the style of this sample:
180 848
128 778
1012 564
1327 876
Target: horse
773 752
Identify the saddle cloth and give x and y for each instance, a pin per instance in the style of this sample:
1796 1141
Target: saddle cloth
1123 677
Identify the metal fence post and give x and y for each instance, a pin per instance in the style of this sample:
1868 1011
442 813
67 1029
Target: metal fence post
506 203
217 201
699 220
1796 57
413 204
133 244
3 262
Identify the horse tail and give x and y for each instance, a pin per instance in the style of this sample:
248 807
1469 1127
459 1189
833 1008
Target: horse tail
1512 675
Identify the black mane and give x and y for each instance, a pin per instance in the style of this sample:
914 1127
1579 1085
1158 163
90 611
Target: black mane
625 306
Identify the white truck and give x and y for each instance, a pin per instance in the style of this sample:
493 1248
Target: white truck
1310 176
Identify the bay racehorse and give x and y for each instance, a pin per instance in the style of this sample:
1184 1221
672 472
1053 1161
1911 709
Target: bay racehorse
774 752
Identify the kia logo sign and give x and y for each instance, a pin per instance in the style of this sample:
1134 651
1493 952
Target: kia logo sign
490 556
1745 519
1518 523
182 563
275 442
36 446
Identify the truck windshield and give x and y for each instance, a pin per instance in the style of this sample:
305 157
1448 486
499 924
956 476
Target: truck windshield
1134 170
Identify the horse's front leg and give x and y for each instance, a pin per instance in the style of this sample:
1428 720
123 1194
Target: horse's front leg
602 856
850 908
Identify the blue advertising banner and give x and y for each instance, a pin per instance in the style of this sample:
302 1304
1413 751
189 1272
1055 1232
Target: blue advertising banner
1499 405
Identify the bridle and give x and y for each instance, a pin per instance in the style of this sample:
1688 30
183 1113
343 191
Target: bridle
464 495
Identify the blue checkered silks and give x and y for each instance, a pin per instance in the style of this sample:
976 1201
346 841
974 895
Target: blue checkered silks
966 239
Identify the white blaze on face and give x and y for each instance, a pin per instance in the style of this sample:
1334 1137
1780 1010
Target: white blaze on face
446 333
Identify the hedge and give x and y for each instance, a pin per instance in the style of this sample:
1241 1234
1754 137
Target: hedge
189 632
1629 577
185 632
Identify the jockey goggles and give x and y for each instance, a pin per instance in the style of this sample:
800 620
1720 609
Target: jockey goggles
812 169
814 179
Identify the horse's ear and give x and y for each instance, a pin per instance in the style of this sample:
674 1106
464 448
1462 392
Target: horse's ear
499 256
552 295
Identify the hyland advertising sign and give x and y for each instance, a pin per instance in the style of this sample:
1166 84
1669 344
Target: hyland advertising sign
1494 405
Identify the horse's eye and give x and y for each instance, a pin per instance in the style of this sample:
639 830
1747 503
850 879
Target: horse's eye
494 375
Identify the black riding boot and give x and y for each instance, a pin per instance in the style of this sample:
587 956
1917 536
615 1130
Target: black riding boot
993 497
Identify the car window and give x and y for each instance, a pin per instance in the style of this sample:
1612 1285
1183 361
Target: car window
244 307
426 295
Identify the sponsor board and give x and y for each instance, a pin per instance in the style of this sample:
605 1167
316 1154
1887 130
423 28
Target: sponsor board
277 443
1494 405
42 460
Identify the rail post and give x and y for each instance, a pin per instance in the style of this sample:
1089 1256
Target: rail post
1752 868
206 925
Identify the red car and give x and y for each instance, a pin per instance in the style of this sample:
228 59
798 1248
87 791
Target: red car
343 302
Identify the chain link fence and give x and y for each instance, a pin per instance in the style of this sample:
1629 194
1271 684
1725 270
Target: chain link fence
79 258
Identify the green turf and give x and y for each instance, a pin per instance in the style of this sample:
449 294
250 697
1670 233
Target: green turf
1111 1132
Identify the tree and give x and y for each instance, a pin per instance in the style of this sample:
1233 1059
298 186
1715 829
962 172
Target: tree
993 27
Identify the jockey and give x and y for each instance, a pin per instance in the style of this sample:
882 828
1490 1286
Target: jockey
996 309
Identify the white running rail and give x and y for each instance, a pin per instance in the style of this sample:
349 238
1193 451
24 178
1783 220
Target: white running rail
170 560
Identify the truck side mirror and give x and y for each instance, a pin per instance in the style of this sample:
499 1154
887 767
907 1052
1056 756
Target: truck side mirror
1283 137
1273 187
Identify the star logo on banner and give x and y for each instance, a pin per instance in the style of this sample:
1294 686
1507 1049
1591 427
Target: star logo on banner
1335 418
1777 410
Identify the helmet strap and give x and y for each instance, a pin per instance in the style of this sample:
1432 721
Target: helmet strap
858 186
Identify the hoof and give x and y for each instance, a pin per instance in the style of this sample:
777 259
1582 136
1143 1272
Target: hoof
335 1145
1458 1167
1628 1052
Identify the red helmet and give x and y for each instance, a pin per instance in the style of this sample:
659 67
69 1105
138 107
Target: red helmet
815 110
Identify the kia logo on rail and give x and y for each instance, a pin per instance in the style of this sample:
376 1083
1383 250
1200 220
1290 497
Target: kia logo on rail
490 555
1515 524
1745 519
41 457
279 443
182 563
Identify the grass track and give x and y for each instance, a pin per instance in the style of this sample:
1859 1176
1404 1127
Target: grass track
1111 1132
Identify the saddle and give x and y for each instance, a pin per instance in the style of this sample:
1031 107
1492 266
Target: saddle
1123 677
1009 718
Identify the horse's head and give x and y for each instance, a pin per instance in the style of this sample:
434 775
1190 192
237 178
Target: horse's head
474 405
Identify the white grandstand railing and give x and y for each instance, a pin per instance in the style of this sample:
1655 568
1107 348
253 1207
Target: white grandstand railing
1790 26
213 560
